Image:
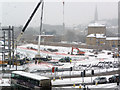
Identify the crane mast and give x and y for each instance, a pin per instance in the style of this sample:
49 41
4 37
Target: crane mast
38 55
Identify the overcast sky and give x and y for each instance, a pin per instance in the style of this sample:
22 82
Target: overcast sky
17 13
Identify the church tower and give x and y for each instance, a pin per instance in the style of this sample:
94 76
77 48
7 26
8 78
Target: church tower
96 15
96 32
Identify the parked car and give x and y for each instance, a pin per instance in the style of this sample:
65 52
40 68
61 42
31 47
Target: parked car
66 59
114 78
49 57
100 80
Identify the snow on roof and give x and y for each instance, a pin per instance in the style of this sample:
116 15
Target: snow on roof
30 75
46 35
96 25
97 35
91 35
113 38
100 36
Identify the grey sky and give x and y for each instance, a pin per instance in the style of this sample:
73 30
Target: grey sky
17 13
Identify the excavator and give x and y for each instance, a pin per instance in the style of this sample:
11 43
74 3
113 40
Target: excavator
79 52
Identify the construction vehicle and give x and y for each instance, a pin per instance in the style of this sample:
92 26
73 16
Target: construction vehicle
2 63
24 28
27 23
79 52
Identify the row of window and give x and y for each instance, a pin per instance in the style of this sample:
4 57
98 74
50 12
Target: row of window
104 40
24 79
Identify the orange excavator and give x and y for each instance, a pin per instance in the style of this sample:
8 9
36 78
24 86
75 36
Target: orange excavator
79 52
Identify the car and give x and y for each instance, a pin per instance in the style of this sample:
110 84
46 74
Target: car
49 57
66 59
100 80
114 78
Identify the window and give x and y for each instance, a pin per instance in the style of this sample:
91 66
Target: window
113 45
13 76
118 41
113 42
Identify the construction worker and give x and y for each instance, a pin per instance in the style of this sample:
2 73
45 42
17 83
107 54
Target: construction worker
88 88
35 61
84 88
117 81
39 61
70 61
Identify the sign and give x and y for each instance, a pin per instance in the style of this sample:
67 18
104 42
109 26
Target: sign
53 69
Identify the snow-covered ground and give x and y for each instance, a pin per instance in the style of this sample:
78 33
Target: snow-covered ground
75 80
62 52
77 60
88 59
110 86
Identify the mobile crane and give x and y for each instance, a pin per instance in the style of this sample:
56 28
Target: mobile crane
26 25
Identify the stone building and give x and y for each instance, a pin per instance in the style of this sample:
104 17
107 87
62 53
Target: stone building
96 28
97 35
96 39
113 42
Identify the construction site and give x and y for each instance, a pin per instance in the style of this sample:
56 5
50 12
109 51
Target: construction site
40 64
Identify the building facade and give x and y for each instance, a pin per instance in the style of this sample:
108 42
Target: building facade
96 28
113 42
96 34
97 37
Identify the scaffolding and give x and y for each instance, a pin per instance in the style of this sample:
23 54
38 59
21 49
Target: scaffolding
8 47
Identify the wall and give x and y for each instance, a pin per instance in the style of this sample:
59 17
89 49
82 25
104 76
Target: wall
96 30
91 41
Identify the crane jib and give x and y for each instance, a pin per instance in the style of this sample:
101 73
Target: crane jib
24 28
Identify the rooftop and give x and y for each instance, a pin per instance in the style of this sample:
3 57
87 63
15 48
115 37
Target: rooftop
96 25
113 38
30 75
97 35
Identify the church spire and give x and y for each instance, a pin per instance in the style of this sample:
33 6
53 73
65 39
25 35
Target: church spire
96 15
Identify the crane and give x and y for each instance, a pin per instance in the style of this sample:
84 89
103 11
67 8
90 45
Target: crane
38 54
26 25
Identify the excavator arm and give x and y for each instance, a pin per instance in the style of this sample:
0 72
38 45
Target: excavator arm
79 52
